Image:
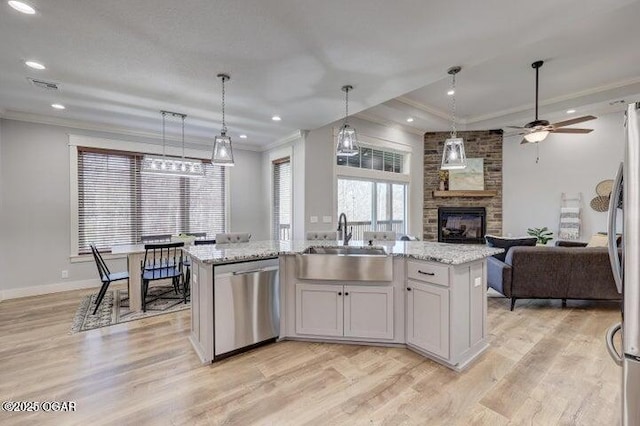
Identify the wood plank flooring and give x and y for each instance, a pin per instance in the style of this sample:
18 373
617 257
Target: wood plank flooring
546 366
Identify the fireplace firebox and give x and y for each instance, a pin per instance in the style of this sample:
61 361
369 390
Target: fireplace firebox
462 225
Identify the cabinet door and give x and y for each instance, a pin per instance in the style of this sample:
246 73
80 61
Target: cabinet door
368 312
428 317
319 309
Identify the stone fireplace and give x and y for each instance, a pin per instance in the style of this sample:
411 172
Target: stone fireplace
485 144
461 225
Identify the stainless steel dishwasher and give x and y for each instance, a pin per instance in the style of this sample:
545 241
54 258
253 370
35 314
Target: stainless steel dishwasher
246 308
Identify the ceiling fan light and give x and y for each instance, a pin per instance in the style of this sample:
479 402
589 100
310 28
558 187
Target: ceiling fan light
453 156
222 151
537 136
347 141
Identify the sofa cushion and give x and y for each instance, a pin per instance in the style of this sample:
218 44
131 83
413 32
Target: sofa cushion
598 240
506 243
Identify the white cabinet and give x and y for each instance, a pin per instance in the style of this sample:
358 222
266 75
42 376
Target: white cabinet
344 310
447 310
368 312
319 309
428 317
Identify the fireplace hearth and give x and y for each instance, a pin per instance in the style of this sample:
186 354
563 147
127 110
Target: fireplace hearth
462 225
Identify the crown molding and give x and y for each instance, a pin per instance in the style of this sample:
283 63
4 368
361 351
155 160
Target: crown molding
371 118
557 99
121 131
427 108
298 134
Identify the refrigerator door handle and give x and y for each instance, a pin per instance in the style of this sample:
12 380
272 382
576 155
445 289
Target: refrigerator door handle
611 348
611 230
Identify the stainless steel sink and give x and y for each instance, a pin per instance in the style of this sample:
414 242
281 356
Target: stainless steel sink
345 264
347 251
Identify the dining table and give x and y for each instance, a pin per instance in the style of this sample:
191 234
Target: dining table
135 256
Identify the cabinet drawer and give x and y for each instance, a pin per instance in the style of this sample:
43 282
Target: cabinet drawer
429 272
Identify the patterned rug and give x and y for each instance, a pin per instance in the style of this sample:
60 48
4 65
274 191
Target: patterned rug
114 308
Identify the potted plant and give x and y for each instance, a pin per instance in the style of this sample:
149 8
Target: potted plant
444 177
542 234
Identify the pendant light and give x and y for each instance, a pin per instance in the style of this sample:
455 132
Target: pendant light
222 149
453 156
347 138
172 166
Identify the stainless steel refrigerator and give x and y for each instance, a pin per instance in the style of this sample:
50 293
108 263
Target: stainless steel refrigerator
626 267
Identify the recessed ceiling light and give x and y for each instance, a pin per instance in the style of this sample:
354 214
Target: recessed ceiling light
276 118
35 65
451 92
58 106
410 120
243 136
571 111
22 7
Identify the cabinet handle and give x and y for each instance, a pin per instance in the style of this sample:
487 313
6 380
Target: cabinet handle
339 293
426 273
346 293
408 288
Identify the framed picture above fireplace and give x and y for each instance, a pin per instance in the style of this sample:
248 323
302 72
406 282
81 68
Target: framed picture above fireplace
469 178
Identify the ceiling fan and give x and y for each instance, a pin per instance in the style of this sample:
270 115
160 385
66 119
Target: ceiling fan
538 130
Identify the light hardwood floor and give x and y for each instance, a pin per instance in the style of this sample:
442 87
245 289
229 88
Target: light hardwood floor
546 366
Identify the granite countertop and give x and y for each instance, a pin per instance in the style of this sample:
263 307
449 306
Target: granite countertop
452 254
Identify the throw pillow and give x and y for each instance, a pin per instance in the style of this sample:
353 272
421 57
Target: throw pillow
598 240
506 243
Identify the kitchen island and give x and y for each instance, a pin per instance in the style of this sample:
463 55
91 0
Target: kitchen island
431 300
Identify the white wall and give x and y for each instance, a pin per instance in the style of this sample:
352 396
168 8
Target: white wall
568 163
320 190
34 171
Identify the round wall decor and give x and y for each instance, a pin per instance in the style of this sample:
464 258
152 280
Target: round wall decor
604 188
600 203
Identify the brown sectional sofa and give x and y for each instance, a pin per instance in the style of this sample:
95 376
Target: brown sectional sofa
574 272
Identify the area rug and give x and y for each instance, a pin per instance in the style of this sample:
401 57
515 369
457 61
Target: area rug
114 308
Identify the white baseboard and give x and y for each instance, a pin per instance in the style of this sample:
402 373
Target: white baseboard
15 293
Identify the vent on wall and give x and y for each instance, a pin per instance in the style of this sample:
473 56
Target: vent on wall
41 84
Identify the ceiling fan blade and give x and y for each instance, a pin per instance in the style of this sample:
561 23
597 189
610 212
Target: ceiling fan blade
574 121
515 127
572 130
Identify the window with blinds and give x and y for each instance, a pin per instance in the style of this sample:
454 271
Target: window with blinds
281 213
117 204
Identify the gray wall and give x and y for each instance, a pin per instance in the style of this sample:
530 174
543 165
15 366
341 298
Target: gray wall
34 170
320 191
568 163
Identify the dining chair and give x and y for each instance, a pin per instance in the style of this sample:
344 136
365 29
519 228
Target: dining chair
379 236
161 261
322 235
161 238
106 276
204 242
233 237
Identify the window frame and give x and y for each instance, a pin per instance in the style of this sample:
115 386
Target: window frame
272 156
346 172
126 146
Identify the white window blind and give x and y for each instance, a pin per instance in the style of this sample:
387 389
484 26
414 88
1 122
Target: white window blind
281 213
117 204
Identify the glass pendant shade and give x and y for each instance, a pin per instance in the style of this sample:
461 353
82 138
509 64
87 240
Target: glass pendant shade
222 151
347 141
538 136
453 156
